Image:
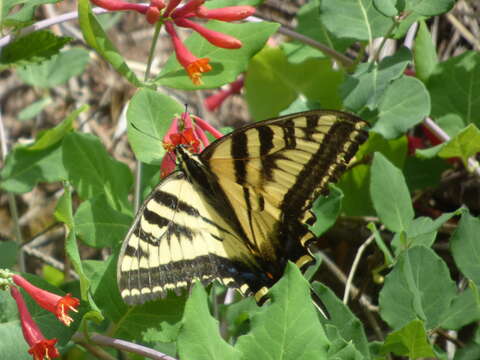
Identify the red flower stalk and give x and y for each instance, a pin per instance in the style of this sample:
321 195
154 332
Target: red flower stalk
213 37
119 5
56 304
193 65
40 347
214 101
231 13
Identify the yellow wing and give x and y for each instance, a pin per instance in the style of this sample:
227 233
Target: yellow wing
178 238
272 171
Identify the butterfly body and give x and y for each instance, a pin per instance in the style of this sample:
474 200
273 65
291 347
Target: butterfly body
238 211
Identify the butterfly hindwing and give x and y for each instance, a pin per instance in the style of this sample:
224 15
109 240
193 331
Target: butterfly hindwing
178 238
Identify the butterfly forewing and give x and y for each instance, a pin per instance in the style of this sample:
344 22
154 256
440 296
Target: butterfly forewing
282 165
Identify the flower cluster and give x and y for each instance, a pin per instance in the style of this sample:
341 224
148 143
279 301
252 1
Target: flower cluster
40 347
189 131
171 15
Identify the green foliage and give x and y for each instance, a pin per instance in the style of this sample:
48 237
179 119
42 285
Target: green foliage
273 83
96 37
419 287
411 341
56 70
32 48
149 116
22 15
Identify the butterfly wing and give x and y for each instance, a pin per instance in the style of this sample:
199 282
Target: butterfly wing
178 238
271 172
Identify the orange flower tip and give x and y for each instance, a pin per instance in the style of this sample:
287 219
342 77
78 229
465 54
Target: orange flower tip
196 68
44 349
64 305
230 13
152 15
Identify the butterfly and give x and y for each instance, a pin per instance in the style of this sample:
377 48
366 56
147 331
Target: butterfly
240 210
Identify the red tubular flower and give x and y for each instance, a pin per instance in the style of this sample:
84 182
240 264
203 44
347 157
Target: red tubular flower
40 347
214 101
189 7
159 4
56 304
193 65
119 5
152 15
172 4
231 13
202 124
213 37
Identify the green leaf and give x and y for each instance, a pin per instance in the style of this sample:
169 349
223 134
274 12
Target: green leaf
429 153
64 213
454 86
23 16
367 86
25 168
423 173
355 19
429 8
93 171
339 348
32 48
34 109
396 116
96 37
423 230
104 288
418 287
349 327
390 195
149 116
226 64
57 70
355 183
386 7
465 246
310 24
287 328
409 341
273 83
464 310
161 317
326 209
424 52
465 144
8 254
50 137
199 337
98 225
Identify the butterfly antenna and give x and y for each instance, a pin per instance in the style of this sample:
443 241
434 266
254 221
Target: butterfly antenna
144 133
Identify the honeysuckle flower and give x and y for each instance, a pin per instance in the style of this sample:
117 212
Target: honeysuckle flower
213 37
214 101
40 347
193 65
170 14
230 13
189 131
56 304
